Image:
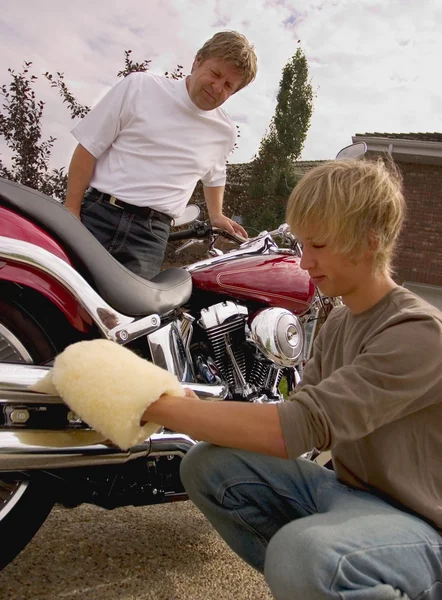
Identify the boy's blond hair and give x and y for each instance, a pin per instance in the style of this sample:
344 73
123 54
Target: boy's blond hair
353 205
234 48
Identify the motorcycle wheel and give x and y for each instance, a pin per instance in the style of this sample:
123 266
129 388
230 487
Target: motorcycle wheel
24 505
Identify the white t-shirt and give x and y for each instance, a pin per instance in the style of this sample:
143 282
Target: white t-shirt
152 144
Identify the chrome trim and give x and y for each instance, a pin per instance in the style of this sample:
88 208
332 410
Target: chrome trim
261 245
279 335
240 381
218 314
272 382
113 325
186 332
18 378
208 392
26 398
186 329
168 351
127 333
168 443
16 454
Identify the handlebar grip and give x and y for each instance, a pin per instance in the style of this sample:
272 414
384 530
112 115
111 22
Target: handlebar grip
185 234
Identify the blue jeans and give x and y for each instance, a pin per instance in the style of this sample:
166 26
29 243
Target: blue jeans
313 537
137 242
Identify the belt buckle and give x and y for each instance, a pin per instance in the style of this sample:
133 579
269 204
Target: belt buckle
112 200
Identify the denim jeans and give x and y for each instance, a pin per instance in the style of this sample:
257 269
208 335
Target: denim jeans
313 537
137 242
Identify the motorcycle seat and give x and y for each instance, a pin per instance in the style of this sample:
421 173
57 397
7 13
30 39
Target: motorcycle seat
123 290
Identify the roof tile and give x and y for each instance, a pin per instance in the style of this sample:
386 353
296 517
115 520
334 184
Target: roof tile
418 137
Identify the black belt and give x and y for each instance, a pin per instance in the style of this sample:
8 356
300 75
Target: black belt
141 211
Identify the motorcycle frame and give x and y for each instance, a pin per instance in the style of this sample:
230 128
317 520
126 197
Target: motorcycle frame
66 280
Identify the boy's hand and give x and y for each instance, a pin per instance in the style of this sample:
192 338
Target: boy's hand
191 394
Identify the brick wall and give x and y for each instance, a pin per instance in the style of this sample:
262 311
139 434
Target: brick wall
419 256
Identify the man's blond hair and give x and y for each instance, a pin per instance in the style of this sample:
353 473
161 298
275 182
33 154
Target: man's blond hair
233 47
352 205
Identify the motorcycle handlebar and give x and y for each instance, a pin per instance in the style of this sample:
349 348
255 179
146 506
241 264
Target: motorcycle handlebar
202 230
198 230
181 235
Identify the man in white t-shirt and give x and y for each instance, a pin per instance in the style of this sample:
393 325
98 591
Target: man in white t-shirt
145 145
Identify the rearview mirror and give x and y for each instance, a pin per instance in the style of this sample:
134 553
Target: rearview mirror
191 212
353 151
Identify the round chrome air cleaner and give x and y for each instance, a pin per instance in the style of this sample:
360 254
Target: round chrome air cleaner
279 335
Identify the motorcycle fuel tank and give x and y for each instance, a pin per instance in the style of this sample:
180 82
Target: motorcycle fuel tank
271 279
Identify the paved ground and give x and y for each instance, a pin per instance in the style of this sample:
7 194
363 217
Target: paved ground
167 552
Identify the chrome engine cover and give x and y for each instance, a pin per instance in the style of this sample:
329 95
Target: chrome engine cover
220 314
225 324
279 335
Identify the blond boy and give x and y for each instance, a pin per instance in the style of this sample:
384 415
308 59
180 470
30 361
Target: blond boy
371 394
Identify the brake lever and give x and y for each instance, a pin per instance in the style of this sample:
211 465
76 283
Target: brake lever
188 244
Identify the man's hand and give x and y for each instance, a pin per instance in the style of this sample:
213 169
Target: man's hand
214 200
229 225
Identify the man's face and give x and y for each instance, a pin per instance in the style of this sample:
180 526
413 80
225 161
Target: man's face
212 82
334 273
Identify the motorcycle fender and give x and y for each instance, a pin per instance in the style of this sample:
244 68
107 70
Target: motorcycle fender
18 227
56 293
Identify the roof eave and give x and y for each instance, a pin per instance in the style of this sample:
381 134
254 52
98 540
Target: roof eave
403 150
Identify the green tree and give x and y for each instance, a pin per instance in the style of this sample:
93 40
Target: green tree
21 128
282 144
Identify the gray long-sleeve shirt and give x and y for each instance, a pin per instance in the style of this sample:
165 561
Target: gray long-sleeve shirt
372 393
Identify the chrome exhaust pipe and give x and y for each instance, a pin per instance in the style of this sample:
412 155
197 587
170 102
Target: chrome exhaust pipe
44 450
18 377
26 448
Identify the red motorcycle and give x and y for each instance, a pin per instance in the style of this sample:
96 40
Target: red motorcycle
238 325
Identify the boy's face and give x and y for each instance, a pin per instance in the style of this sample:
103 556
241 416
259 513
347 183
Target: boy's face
334 273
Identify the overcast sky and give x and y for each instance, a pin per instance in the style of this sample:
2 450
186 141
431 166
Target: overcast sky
374 64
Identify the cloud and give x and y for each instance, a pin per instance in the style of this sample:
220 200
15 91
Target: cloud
372 63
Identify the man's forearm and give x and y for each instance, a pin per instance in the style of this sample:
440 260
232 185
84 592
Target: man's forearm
254 427
80 172
214 200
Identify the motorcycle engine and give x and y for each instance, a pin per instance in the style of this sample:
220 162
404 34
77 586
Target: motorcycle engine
224 324
250 357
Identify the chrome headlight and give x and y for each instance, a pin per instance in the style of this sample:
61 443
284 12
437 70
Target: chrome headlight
279 335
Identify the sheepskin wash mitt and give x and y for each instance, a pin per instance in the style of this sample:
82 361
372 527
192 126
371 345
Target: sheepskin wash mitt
109 387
